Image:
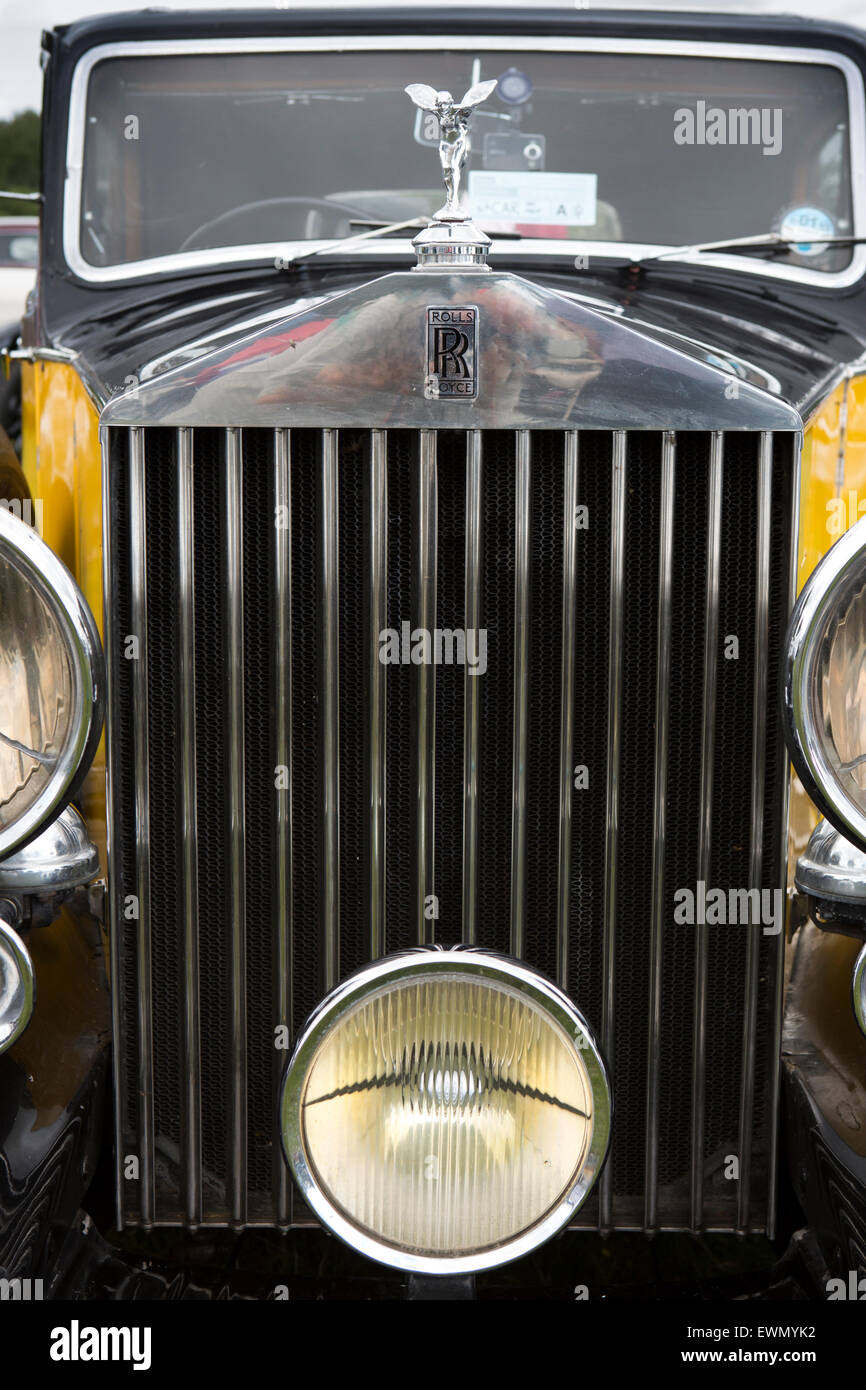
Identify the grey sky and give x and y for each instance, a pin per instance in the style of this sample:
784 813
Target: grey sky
22 21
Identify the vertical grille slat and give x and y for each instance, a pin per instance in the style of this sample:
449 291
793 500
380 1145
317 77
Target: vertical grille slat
112 618
756 848
330 704
378 690
425 688
313 797
614 736
191 1127
659 896
521 692
566 701
283 750
787 504
138 564
707 756
237 820
471 687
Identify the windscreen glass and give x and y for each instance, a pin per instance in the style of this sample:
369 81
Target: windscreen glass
192 153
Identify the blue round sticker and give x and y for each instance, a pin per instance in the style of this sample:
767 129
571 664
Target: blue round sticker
514 87
800 220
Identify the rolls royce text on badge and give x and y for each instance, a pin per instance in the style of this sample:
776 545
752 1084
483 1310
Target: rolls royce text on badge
432 699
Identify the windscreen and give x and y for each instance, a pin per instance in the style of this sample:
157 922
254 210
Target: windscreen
193 153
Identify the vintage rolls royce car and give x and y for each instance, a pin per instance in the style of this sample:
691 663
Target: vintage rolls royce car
451 567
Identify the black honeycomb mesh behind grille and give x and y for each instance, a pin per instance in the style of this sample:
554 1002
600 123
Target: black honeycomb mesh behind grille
683 808
354 464
306 773
497 694
400 722
637 771
166 943
263 1010
732 783
124 877
211 781
450 606
546 485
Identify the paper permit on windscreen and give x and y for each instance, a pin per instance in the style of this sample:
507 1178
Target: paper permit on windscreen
499 196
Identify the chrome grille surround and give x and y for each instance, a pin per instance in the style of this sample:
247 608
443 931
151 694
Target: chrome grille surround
158 442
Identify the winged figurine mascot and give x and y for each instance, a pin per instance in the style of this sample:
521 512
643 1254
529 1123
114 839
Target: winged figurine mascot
454 143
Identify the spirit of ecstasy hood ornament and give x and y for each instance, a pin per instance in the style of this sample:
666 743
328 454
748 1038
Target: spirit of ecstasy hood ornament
453 118
451 240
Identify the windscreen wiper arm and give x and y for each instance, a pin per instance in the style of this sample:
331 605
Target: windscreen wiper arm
766 241
375 230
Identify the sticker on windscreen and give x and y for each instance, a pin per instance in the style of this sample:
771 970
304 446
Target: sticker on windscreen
565 200
807 220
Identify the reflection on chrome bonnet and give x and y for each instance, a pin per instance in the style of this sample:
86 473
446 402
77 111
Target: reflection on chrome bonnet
360 360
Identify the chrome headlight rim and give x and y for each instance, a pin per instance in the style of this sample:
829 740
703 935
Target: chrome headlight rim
11 942
858 990
824 595
480 964
47 574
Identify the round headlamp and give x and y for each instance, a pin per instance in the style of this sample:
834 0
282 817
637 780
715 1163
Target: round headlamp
446 1111
17 989
825 685
51 682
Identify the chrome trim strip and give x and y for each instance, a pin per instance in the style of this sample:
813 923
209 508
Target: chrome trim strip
283 751
138 576
663 681
566 700
779 980
614 736
191 1080
705 829
234 581
330 706
521 693
756 852
72 197
378 689
858 990
115 895
472 687
425 599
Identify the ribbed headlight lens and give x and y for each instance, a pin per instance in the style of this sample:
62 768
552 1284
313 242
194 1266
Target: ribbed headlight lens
446 1110
50 683
17 988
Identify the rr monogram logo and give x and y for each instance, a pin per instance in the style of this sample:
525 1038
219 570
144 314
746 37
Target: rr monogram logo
450 352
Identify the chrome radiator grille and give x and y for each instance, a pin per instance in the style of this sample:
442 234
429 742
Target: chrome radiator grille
284 806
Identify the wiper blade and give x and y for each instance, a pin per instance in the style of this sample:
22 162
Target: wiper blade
375 229
766 241
382 229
